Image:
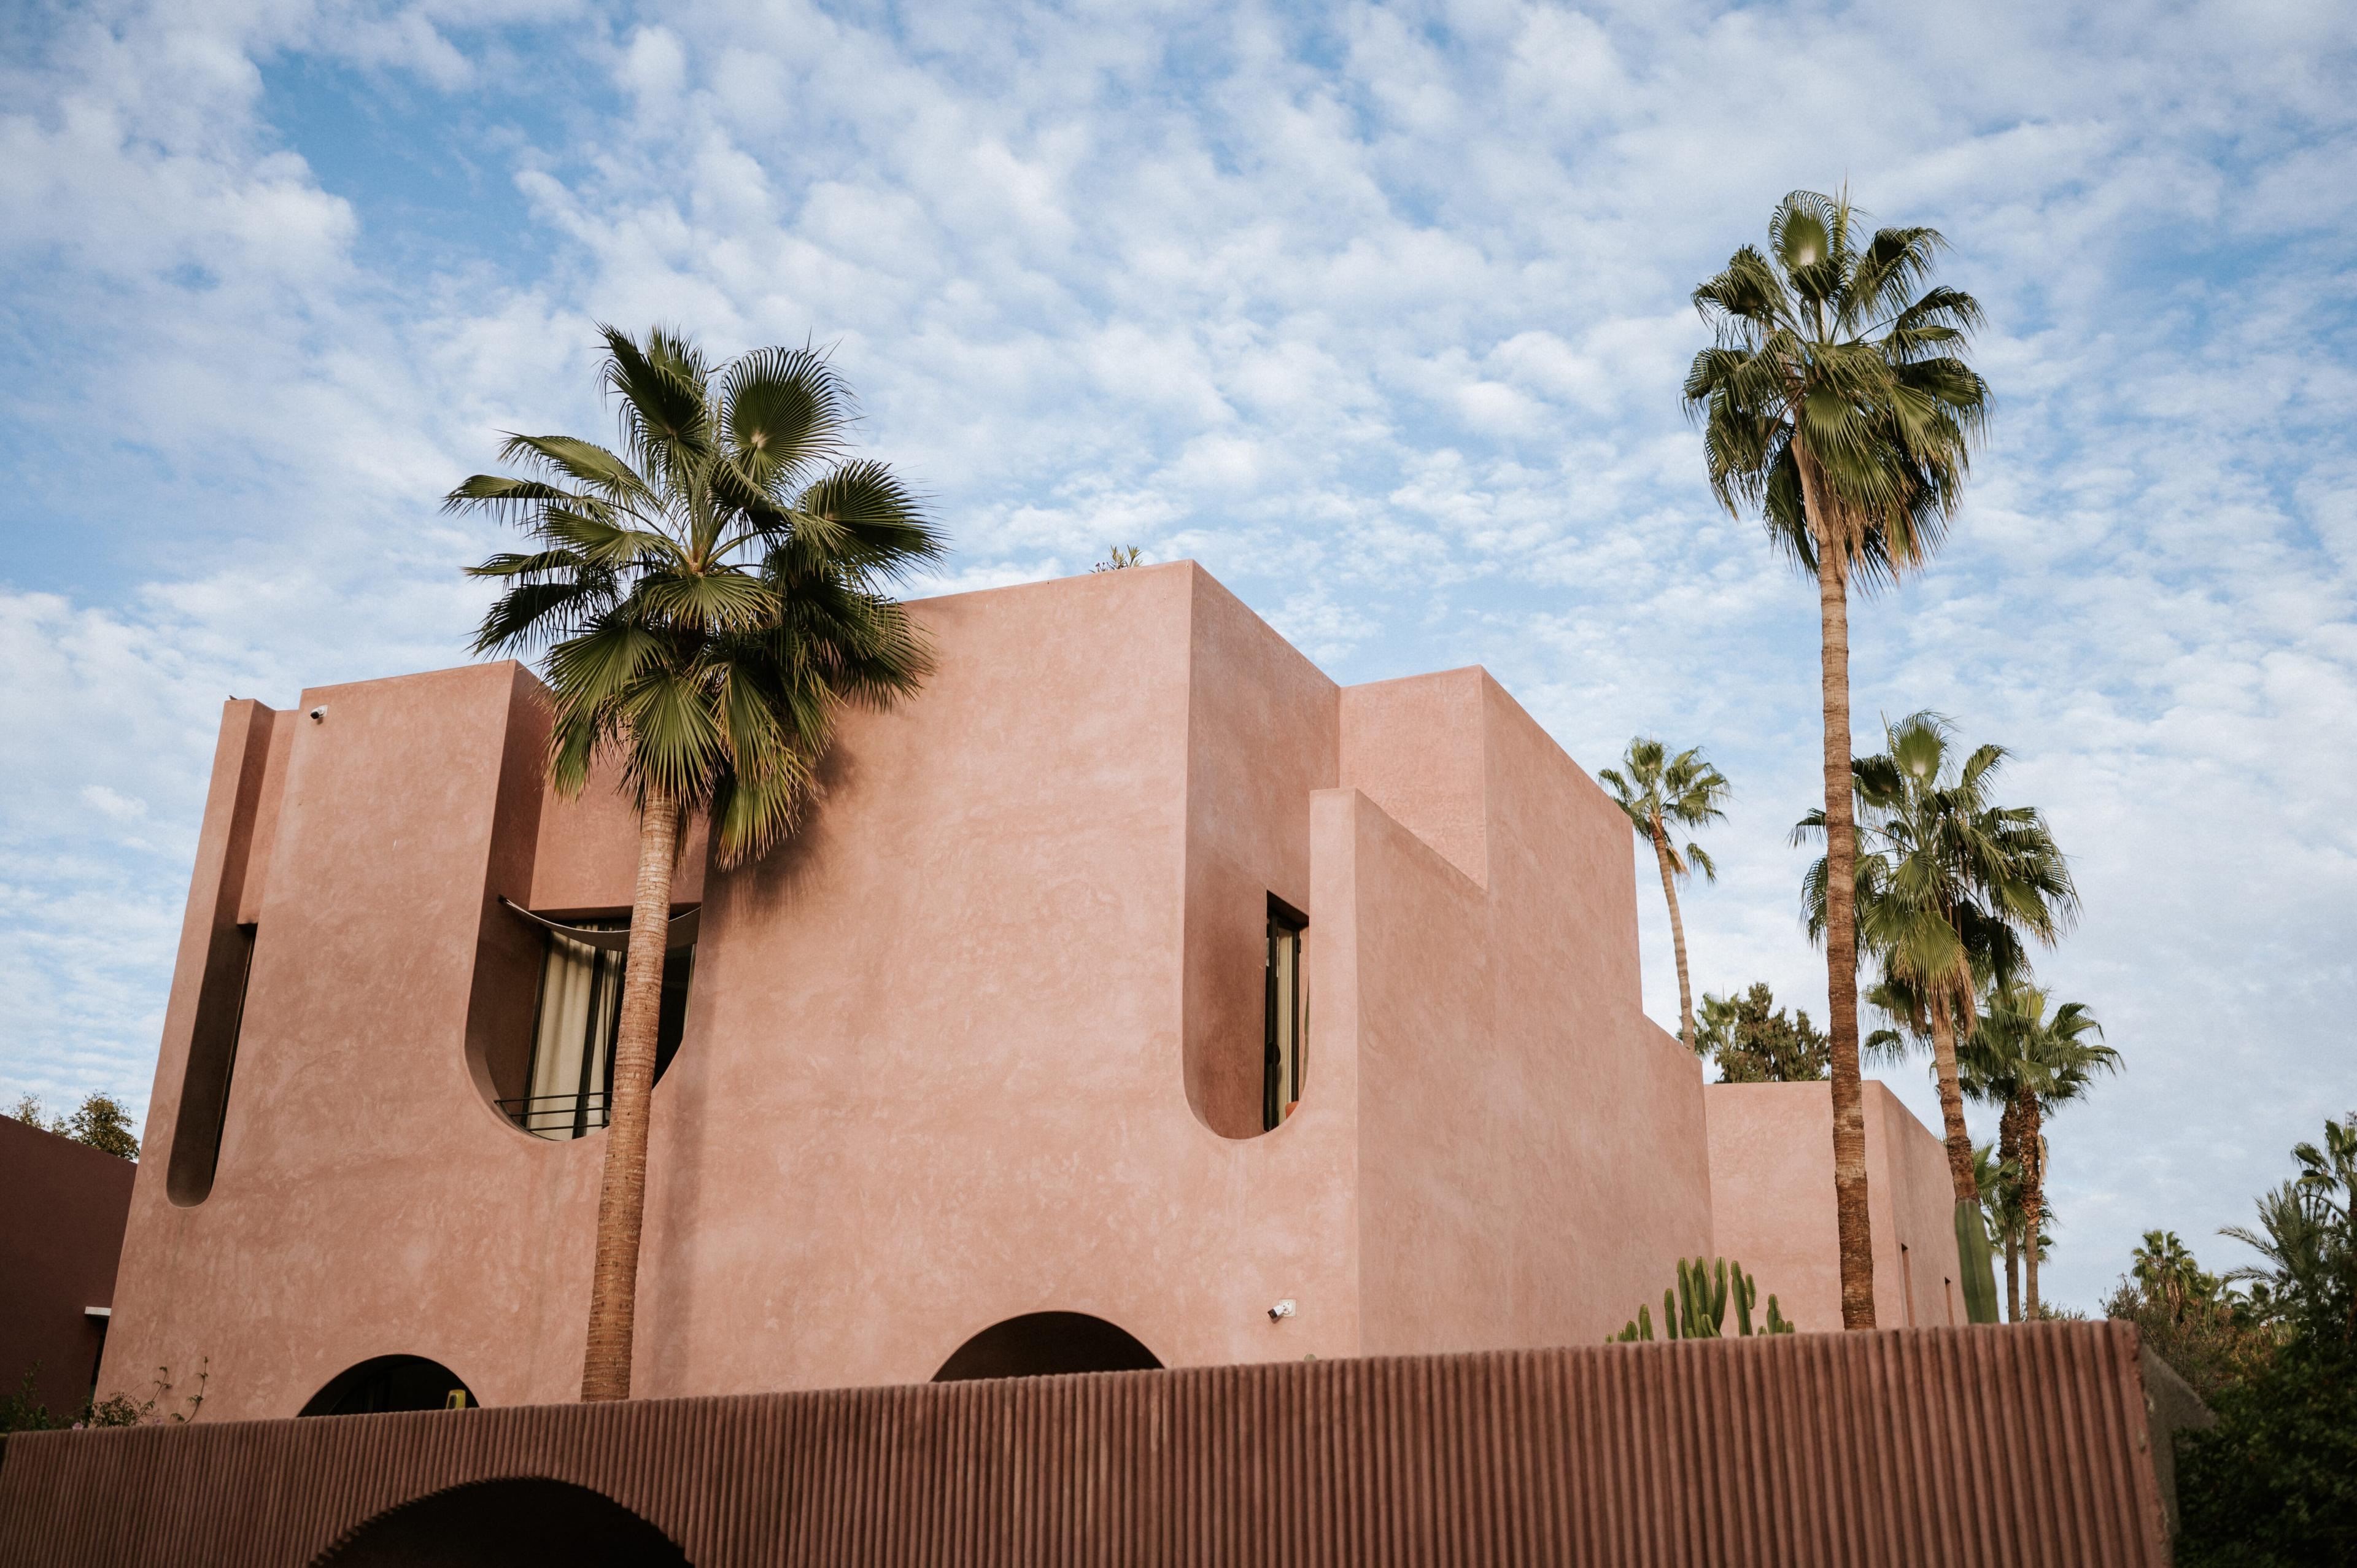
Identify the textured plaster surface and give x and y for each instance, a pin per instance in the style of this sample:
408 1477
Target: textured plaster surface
1773 1203
62 1209
982 1040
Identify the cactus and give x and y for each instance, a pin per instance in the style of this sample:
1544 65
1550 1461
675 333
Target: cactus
1695 1307
1642 1327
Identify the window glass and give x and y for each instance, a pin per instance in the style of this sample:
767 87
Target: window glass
1282 1054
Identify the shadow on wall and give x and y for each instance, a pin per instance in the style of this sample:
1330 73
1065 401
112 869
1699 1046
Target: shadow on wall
391 1382
1044 1344
515 1523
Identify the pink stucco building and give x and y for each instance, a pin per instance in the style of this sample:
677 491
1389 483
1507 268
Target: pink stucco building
1135 973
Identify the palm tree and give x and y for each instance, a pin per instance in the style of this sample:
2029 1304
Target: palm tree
2308 1235
2164 1269
2000 1181
1659 792
1948 885
1835 401
707 603
2031 1063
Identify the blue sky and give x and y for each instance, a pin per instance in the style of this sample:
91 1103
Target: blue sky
1379 312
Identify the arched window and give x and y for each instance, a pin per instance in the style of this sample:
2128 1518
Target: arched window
519 1522
570 1080
391 1382
1043 1344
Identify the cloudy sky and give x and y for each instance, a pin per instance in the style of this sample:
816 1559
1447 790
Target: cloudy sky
1379 312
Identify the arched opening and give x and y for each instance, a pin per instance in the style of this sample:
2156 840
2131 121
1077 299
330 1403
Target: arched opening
1043 1344
391 1382
560 1084
521 1520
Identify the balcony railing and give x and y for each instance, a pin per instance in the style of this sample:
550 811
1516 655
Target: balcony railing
557 1115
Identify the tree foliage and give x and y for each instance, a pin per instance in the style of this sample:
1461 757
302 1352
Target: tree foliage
100 1120
1752 1040
2275 1482
709 598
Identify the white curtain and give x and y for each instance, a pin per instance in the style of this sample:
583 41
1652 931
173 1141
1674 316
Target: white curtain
580 994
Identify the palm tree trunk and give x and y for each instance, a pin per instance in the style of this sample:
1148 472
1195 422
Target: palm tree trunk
622 1196
1677 937
1856 1230
2012 1275
1952 1103
2033 1199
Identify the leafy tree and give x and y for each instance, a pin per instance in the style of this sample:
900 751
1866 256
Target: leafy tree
2275 1482
2307 1239
706 603
1753 1041
1835 403
1660 792
2191 1318
1122 558
100 1120
2030 1062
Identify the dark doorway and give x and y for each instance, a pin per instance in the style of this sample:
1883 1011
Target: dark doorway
1042 1344
520 1522
389 1382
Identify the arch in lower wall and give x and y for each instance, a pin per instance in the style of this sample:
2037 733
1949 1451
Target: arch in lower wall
1047 1344
517 1521
384 1383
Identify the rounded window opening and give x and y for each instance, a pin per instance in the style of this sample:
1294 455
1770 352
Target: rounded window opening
392 1383
1044 1345
523 1521
566 1084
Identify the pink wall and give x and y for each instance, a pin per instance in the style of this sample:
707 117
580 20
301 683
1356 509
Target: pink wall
1534 1150
1772 1202
60 1233
983 1041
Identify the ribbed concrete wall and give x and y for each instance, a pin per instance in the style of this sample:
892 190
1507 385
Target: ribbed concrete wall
2000 1445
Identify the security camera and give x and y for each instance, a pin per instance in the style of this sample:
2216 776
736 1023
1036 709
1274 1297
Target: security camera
1281 1311
318 715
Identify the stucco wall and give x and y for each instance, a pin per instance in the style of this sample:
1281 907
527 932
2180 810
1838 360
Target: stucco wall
1772 1202
62 1208
978 1043
1533 1154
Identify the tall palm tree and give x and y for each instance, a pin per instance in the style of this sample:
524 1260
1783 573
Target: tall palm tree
1659 792
2032 1062
706 600
1949 886
1834 401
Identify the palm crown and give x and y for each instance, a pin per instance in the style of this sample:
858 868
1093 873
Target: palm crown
1832 379
708 601
2030 1062
2024 1054
1949 883
1659 791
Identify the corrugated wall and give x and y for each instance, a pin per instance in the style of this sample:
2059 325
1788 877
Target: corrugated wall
2002 1445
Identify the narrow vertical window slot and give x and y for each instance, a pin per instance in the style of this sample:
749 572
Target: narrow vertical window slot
1281 1043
